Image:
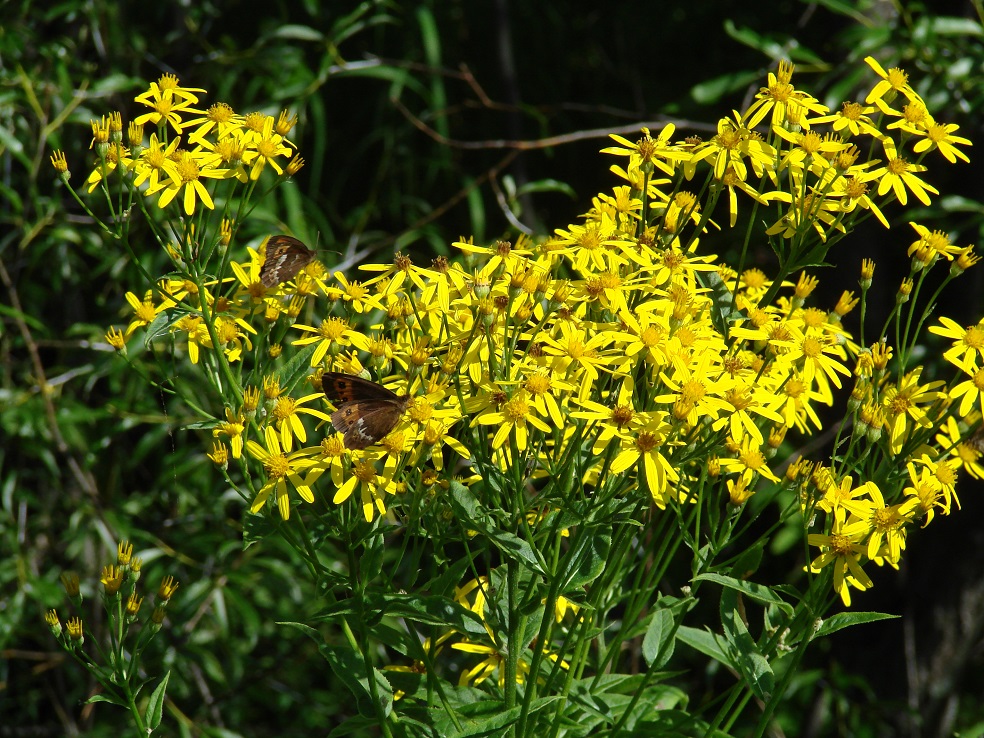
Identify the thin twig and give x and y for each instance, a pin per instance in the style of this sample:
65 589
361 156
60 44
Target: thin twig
524 145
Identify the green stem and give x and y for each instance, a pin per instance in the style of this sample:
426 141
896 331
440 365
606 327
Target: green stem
513 643
138 721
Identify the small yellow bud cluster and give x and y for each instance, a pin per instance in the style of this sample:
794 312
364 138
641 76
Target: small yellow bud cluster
123 601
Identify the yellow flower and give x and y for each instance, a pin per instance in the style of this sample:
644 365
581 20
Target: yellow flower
167 101
233 428
191 170
970 390
578 356
116 339
782 99
285 414
902 406
357 295
372 487
734 143
219 455
968 343
491 664
281 468
513 418
883 525
144 311
892 82
646 445
396 274
852 119
155 162
740 489
933 243
898 174
116 155
112 579
750 460
220 118
266 147
844 552
60 163
657 152
332 336
938 136
597 245
964 447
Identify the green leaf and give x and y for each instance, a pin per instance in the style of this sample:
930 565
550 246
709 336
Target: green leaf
201 425
754 667
371 560
448 578
748 561
673 723
350 668
30 320
607 700
845 8
115 83
300 33
465 502
477 217
432 610
470 511
711 91
158 326
485 717
657 646
587 561
256 527
757 592
428 610
355 725
11 142
774 46
297 368
707 643
491 722
155 706
846 619
959 204
105 698
307 630
514 547
723 311
951 26
15 202
547 185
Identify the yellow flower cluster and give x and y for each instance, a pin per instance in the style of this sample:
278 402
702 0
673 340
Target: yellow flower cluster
612 358
220 144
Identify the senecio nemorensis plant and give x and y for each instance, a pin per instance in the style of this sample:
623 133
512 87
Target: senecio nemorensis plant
534 481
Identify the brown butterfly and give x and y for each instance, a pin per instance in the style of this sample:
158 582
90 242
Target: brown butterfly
366 411
285 257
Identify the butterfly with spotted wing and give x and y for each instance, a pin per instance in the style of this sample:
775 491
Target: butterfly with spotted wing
285 257
366 412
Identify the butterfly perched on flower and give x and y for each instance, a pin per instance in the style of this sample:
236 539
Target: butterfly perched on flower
366 412
285 257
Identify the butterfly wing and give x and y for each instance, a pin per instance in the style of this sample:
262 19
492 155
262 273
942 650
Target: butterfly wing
341 388
366 422
366 411
285 257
